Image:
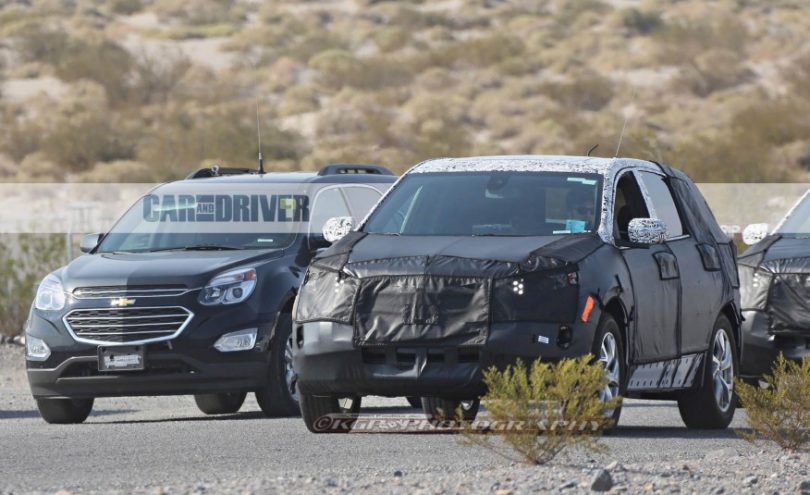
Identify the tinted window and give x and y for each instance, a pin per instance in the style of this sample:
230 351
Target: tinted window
361 200
328 203
491 204
662 202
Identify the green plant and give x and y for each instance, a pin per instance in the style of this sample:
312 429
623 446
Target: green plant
24 260
780 411
540 412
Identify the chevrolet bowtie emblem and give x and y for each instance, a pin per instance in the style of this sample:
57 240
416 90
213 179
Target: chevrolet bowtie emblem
121 302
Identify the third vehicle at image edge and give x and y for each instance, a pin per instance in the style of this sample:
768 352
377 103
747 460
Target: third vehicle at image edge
473 262
161 306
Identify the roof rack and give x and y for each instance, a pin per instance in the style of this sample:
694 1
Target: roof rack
353 168
217 171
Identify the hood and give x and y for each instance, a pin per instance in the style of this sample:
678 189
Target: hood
190 268
779 254
506 249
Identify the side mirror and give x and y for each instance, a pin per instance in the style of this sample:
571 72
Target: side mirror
754 233
89 242
647 231
336 228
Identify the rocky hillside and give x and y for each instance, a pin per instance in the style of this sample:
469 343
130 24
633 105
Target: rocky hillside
140 90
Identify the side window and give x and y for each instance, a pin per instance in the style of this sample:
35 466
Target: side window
361 200
627 205
329 203
663 203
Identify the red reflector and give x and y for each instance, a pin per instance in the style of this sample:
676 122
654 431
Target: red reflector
586 313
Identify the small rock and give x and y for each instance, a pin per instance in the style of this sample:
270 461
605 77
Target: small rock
750 480
568 484
719 491
503 492
601 481
804 487
614 466
721 453
398 473
63 492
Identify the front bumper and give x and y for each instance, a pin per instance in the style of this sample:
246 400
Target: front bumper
187 364
760 348
328 362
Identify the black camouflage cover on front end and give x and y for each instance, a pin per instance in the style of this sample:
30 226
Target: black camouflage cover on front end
422 299
775 276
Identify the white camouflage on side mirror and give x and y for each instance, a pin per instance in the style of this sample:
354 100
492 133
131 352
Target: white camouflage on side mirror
337 227
754 233
647 231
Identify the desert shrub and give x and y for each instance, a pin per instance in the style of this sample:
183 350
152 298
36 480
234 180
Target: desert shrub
556 406
126 7
640 22
391 38
200 12
586 90
339 68
104 62
24 260
474 52
298 99
37 43
155 77
82 140
680 41
713 71
780 412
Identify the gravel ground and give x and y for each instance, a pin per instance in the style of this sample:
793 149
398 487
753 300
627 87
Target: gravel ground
164 445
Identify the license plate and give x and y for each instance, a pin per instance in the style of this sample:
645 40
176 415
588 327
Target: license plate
125 358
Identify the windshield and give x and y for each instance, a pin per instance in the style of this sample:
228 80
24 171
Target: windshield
797 222
210 216
490 204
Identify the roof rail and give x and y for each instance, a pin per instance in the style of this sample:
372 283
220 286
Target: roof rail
217 171
353 168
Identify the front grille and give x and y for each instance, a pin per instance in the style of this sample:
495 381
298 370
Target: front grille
127 325
129 291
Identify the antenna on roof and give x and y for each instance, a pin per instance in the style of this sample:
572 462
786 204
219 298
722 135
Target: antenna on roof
593 148
621 136
259 134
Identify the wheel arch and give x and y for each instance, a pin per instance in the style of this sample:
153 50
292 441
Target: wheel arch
616 309
731 312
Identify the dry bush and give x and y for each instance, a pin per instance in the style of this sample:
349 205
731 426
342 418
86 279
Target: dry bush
25 259
297 100
781 411
715 70
338 69
640 22
586 90
555 405
681 41
200 12
126 7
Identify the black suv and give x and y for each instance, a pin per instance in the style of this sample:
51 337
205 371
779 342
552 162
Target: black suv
190 292
473 262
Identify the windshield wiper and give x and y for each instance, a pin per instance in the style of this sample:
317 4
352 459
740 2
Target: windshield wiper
197 247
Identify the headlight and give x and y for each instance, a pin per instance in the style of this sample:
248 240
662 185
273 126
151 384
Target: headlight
36 349
536 296
754 287
229 288
50 294
242 340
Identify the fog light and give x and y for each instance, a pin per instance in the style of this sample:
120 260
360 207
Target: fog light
36 349
242 340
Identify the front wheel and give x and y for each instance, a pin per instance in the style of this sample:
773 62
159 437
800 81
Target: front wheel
608 348
227 403
64 411
318 412
280 397
711 405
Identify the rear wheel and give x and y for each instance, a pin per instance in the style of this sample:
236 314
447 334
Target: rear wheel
438 409
280 397
711 405
227 403
609 349
318 412
64 411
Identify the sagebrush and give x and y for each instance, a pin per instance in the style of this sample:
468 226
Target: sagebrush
779 411
539 412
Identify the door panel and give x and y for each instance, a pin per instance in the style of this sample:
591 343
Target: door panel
656 311
702 293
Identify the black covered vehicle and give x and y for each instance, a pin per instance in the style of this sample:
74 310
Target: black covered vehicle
473 262
775 292
191 292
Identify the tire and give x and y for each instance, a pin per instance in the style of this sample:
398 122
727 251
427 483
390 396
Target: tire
315 407
64 411
415 402
437 409
280 397
711 405
608 348
227 403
